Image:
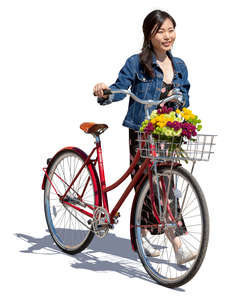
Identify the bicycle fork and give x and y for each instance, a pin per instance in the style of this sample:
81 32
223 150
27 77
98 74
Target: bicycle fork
165 217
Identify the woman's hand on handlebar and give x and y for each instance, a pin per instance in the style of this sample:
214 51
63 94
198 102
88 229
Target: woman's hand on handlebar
169 94
98 90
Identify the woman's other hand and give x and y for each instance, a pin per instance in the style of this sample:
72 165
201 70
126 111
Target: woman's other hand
169 94
98 90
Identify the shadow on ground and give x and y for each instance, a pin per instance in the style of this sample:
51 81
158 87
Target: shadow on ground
111 253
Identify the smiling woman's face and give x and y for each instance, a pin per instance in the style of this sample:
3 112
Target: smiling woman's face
164 39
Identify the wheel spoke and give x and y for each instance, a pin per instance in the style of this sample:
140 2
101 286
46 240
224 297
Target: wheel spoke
68 226
165 268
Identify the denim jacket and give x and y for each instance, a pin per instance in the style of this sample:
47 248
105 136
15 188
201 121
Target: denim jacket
132 76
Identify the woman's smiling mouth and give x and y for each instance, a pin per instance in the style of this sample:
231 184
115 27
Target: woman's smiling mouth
166 44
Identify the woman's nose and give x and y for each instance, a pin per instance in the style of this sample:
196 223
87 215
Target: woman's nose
166 35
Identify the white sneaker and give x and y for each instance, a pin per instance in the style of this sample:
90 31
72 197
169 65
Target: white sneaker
149 250
183 256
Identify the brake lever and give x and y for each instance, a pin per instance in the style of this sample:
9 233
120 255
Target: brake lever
176 91
102 101
180 98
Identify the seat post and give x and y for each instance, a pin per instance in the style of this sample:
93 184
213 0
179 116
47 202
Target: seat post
97 139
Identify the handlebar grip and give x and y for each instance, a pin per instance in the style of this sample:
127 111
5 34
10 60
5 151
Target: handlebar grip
106 92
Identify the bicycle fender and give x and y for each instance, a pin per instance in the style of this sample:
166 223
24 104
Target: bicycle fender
135 199
84 156
133 209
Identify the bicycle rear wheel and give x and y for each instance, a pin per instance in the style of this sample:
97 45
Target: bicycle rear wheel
68 226
191 203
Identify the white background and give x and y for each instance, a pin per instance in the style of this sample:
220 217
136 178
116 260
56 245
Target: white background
52 53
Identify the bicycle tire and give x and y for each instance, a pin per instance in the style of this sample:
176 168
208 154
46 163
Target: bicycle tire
66 164
185 272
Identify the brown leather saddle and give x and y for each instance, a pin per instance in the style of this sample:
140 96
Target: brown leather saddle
93 128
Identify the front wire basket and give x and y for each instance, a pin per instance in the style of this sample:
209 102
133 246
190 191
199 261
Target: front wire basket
160 149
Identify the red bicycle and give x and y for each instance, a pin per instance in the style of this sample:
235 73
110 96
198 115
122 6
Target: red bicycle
76 203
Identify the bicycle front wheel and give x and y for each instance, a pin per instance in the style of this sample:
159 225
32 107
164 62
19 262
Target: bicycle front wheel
69 226
166 268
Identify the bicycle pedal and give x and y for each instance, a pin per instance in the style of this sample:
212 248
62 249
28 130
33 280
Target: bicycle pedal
117 215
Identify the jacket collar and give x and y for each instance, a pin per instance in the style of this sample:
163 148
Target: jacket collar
154 60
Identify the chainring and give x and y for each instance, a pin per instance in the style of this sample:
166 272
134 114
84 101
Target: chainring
101 222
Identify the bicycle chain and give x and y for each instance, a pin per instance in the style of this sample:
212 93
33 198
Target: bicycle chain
92 224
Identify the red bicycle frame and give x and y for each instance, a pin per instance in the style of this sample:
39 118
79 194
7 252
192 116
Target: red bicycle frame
147 164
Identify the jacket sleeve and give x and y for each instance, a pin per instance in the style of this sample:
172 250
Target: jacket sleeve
125 79
185 85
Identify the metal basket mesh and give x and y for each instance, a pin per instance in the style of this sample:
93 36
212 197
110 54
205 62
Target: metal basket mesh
160 149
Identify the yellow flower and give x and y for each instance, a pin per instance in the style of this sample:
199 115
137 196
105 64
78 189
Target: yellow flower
162 124
162 118
169 119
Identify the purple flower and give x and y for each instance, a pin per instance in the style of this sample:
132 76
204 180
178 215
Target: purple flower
188 130
176 125
149 128
164 110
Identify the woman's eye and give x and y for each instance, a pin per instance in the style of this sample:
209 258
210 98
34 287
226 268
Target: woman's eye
161 32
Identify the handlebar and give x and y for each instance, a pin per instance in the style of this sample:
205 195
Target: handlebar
176 97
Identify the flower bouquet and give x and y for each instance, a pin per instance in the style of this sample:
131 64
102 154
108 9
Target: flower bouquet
173 128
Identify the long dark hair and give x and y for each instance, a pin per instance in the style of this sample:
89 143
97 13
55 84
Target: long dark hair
155 19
